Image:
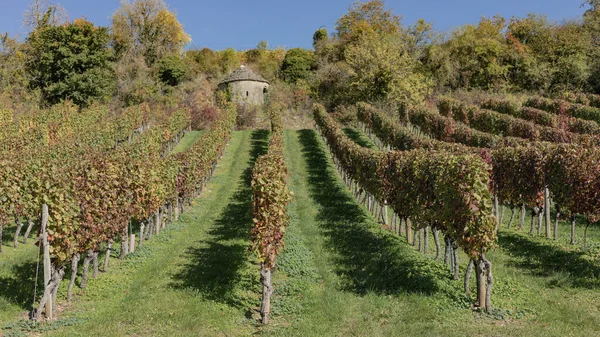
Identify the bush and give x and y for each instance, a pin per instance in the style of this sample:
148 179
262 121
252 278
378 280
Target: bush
171 70
297 64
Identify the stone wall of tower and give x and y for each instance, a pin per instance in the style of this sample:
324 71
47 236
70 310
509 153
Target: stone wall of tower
249 92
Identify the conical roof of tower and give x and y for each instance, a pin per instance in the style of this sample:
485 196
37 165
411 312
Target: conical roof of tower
243 73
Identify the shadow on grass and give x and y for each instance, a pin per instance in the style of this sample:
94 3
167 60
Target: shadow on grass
359 138
8 236
547 260
18 287
368 259
215 268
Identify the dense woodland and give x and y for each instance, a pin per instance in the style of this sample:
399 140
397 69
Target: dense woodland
111 136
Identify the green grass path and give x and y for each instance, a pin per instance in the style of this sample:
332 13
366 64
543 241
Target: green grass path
17 275
371 282
187 141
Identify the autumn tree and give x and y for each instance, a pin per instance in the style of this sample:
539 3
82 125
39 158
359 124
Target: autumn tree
143 32
382 69
205 61
367 17
42 13
265 61
474 56
13 77
147 28
229 59
371 56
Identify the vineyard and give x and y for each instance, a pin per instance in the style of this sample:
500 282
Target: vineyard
382 184
389 181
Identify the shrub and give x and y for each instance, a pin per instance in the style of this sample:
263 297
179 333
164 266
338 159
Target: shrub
171 70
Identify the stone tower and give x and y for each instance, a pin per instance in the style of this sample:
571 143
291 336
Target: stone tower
244 86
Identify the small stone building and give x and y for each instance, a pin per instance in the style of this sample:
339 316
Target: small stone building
244 86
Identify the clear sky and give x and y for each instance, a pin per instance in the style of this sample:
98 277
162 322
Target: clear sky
241 24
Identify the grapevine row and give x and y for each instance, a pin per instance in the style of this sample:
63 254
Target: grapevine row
270 198
437 188
559 107
522 175
541 117
92 197
505 125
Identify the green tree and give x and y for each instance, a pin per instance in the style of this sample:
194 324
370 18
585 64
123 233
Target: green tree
320 36
549 56
591 23
70 62
171 70
297 64
228 60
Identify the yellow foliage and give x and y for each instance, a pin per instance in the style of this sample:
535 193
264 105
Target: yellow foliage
148 28
383 69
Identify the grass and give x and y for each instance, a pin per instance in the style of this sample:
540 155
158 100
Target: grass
17 275
359 137
341 273
187 141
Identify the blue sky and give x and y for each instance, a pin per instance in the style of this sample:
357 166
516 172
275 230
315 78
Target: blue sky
241 24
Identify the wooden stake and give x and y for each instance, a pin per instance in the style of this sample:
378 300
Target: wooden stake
47 266
132 243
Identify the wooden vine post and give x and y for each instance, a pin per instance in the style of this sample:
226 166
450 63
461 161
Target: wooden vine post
267 284
46 259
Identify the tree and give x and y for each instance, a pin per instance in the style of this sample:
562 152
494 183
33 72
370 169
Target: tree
320 36
265 61
473 57
297 64
547 55
70 62
205 60
591 23
382 69
13 76
41 13
367 17
228 60
147 28
324 48
171 70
